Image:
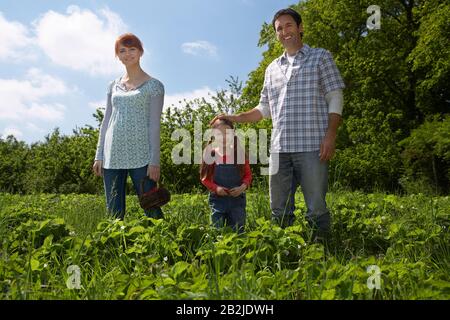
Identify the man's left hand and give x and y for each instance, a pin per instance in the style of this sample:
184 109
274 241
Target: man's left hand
327 147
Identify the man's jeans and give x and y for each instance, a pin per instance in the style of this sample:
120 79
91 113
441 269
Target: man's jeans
115 181
306 169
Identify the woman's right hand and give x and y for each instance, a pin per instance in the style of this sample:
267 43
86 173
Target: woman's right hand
221 191
98 168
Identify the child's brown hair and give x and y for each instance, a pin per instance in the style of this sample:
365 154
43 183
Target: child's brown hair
206 170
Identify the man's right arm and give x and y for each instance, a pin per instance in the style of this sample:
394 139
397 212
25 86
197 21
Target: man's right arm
253 115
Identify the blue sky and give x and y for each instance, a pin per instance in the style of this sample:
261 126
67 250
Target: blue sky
57 56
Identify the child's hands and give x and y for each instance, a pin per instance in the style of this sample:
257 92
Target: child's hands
235 192
221 191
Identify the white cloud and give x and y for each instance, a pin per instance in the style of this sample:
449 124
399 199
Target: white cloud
81 39
200 47
97 104
46 84
14 39
47 112
23 100
177 99
11 131
34 128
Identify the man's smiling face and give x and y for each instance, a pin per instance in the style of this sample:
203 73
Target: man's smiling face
288 32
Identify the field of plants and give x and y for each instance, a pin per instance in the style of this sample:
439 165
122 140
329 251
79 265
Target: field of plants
182 257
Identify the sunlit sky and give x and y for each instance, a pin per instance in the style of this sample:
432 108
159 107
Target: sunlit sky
57 56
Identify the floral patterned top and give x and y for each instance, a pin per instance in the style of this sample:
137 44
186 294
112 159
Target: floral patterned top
130 132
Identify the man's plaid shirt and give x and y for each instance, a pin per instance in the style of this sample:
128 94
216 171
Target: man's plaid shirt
297 105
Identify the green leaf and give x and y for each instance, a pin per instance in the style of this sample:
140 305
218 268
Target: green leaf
328 294
34 264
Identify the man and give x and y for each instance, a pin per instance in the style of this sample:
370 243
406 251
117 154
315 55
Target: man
302 93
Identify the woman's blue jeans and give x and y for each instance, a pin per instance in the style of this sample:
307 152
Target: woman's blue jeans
115 181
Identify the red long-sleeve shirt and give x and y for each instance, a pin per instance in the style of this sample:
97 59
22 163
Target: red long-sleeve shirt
209 183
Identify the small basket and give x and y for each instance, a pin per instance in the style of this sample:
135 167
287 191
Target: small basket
154 198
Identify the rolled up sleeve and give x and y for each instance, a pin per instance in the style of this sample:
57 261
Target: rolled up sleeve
263 105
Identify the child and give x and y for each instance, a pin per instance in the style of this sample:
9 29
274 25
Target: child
226 179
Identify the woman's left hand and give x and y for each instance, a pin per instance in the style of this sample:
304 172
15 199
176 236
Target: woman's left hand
153 172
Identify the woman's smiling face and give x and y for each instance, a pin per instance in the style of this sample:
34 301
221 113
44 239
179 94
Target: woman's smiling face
129 55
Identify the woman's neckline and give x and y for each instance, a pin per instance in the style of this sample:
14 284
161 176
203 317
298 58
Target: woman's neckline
122 84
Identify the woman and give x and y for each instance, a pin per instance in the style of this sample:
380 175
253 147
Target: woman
129 139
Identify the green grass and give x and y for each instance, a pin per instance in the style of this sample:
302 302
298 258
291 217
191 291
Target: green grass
182 257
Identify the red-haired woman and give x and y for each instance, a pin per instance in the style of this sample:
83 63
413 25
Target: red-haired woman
129 139
227 175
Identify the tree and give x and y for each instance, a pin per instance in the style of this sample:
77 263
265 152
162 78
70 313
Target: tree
13 160
426 157
63 164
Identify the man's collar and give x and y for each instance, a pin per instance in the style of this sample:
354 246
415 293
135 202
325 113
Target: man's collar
304 50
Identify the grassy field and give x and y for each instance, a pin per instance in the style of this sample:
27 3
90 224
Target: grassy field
182 257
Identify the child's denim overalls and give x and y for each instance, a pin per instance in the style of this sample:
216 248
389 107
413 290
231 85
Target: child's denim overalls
228 210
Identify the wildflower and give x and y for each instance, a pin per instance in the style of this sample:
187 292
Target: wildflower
301 245
165 259
45 265
122 227
72 233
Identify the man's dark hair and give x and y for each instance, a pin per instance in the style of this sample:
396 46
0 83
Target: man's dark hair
294 14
